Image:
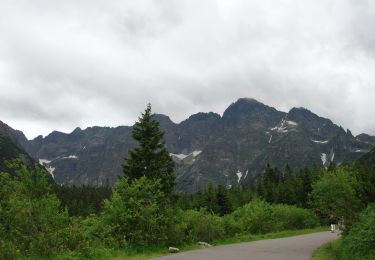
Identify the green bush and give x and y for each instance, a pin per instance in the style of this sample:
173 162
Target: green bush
255 217
31 222
335 195
136 215
231 226
288 217
259 216
360 241
201 226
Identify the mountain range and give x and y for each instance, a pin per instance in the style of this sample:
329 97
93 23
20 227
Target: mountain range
208 148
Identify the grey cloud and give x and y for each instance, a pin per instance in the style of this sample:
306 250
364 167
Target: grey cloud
66 63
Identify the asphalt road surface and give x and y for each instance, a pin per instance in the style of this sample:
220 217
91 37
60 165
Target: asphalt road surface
289 248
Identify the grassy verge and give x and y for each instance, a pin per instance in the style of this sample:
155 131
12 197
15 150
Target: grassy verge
151 252
155 252
328 251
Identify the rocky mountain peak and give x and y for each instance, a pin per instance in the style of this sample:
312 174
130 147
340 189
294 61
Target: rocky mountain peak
248 113
302 114
244 104
163 119
365 138
204 116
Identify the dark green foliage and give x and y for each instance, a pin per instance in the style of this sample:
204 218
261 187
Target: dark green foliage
254 217
287 217
303 186
334 195
136 214
194 226
360 241
223 203
82 201
218 200
345 191
31 221
365 173
239 196
10 151
267 185
210 199
259 216
285 187
151 158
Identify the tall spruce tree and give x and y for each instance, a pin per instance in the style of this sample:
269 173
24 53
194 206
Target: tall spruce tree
150 158
223 203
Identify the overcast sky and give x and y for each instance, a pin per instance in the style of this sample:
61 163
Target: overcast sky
74 63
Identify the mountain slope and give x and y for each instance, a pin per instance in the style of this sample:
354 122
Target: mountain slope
10 149
368 158
232 149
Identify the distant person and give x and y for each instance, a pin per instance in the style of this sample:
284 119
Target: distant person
333 221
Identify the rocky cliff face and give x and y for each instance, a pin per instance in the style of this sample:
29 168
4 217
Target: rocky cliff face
368 158
231 149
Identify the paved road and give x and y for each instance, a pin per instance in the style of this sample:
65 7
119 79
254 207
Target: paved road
290 248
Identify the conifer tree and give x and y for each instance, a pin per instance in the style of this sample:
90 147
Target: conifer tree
150 158
210 199
223 202
270 181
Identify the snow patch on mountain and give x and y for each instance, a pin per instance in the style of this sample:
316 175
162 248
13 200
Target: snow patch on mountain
269 141
361 151
44 161
320 142
179 156
50 170
291 123
189 157
284 126
70 157
196 153
239 175
323 157
247 171
280 128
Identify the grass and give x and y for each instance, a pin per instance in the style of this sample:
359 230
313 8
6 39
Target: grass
329 251
155 252
335 251
151 252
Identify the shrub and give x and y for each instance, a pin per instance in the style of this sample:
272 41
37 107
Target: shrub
201 226
360 241
31 222
255 217
288 217
335 195
231 226
259 216
136 215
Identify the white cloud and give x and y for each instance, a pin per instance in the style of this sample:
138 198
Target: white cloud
79 63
